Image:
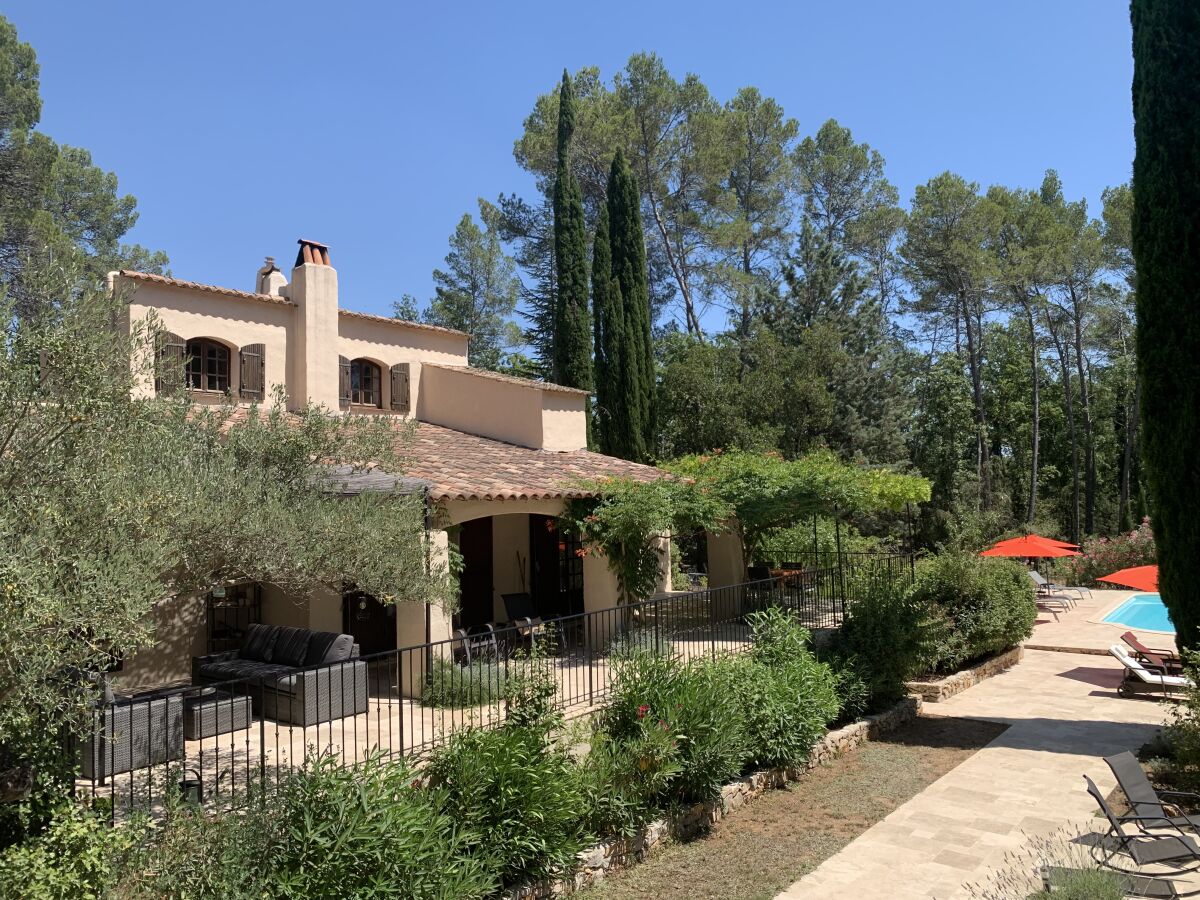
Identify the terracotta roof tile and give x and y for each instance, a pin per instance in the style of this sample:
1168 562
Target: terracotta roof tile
151 278
390 320
460 466
511 379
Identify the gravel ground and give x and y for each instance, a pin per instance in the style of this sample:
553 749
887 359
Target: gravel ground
760 850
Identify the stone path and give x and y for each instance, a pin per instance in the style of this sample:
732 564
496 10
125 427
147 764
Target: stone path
1063 715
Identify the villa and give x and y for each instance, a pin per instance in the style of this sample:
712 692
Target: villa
497 458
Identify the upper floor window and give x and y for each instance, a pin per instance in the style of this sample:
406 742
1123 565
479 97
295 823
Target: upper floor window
207 366
366 385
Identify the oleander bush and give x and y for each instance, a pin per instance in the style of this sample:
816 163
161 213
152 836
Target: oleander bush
887 638
980 606
1102 555
519 796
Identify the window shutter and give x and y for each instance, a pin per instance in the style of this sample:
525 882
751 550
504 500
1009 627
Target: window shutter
252 376
172 352
400 399
343 381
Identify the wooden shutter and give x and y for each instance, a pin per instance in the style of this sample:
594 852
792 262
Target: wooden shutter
252 375
400 402
170 377
343 381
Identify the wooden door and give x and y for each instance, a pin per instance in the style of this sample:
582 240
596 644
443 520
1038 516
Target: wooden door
475 582
372 623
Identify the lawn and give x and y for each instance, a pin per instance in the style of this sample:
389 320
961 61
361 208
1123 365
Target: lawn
760 850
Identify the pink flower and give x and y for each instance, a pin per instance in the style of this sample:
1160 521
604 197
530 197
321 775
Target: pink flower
642 710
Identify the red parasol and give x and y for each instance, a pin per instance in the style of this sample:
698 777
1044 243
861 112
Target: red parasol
1053 542
1142 578
1028 547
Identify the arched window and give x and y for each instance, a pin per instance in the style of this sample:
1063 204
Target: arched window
208 366
366 385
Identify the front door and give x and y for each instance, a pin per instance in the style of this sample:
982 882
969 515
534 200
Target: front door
372 623
556 569
475 582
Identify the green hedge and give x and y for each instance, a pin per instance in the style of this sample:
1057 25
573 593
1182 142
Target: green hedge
981 606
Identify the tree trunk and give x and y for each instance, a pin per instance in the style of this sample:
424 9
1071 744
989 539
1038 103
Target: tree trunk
981 445
1065 365
1035 403
1085 408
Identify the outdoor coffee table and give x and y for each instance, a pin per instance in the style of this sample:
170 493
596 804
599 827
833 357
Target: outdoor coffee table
213 712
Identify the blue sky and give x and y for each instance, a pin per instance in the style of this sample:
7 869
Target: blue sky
374 127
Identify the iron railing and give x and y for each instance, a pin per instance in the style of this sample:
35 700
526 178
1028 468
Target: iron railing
218 742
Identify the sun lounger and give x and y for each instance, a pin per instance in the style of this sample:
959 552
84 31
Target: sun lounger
1053 604
1140 680
1144 800
1048 588
1177 851
1164 661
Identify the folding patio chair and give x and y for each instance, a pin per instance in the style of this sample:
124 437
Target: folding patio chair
1165 661
1175 851
1144 800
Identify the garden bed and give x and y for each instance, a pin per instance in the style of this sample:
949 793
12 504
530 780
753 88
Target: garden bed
944 688
615 854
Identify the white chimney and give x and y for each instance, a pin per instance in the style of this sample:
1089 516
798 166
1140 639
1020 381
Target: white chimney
270 280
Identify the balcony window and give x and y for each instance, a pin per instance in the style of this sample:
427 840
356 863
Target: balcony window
207 366
366 385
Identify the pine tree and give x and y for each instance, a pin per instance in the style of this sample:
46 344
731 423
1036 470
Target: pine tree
632 426
572 325
1166 222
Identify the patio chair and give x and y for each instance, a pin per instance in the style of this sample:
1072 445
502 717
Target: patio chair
1165 661
1140 680
1144 800
475 643
518 609
1050 589
1175 851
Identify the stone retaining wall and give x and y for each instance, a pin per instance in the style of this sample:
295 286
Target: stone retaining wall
943 689
618 853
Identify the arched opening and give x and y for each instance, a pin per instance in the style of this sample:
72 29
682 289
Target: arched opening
207 366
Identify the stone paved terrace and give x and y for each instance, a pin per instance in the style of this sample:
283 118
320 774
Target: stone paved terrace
1081 630
1063 714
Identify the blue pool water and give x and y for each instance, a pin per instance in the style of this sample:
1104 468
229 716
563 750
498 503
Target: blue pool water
1143 611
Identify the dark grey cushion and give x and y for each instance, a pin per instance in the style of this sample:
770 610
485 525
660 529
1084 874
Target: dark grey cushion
327 647
291 646
259 642
229 669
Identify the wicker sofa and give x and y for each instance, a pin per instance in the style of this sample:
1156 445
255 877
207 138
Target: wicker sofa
292 675
129 734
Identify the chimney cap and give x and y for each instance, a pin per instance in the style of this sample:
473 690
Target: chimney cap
268 265
312 253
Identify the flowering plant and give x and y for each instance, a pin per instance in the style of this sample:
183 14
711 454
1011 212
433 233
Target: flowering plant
1103 555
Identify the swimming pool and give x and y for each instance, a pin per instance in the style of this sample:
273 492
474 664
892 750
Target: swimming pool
1142 611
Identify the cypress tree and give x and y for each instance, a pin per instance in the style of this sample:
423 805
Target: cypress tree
1166 249
629 275
572 325
610 328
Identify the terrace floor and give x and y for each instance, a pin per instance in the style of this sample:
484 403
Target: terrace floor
1063 714
1082 631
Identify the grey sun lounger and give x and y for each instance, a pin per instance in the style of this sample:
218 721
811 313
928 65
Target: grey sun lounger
1144 800
1049 589
1177 851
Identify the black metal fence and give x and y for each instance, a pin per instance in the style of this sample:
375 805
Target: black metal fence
215 742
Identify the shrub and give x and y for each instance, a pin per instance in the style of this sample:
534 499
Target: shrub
787 697
520 798
1102 555
624 782
75 856
1183 731
329 832
697 703
350 832
530 692
451 685
887 638
984 605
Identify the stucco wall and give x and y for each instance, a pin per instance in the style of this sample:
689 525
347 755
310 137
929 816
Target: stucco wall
388 343
510 559
234 321
180 633
725 563
564 421
480 405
